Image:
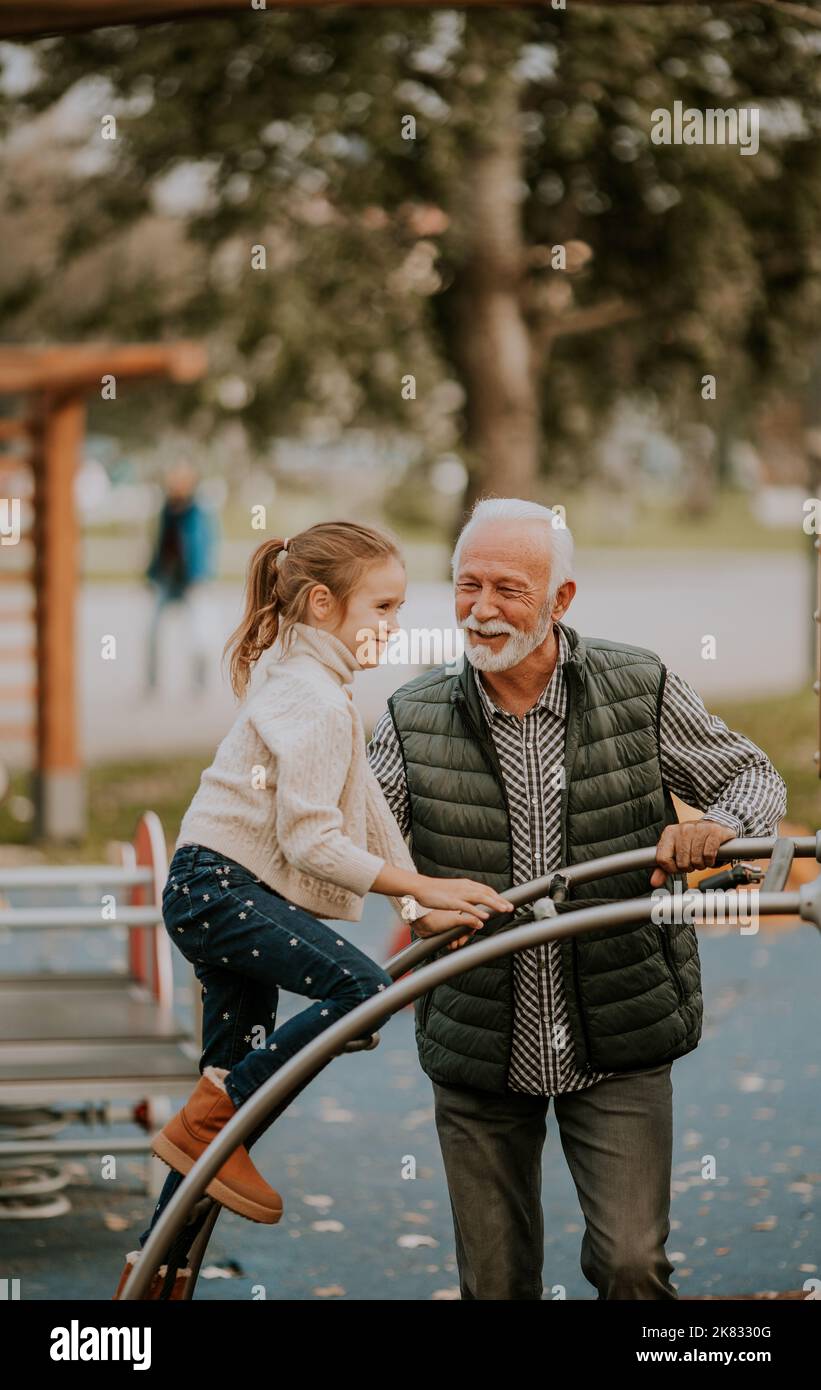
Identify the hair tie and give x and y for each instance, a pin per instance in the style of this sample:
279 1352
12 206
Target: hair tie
281 555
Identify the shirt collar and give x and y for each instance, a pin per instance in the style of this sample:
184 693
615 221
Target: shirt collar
553 697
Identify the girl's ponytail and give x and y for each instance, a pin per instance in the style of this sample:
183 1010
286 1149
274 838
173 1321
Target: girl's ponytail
281 575
259 626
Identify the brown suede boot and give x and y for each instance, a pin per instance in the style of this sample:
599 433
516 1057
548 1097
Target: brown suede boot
237 1185
155 1287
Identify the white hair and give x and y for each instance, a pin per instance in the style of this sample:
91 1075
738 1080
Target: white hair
489 509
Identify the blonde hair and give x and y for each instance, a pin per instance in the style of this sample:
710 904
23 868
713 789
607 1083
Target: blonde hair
280 579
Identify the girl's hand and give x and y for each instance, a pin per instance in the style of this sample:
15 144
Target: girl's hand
435 922
459 895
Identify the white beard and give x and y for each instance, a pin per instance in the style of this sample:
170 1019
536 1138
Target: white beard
516 648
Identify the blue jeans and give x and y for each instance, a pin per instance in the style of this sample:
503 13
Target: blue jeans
244 941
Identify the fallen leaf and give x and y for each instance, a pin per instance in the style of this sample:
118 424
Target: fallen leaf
230 1270
115 1223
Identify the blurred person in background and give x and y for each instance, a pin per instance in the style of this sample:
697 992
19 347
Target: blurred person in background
182 562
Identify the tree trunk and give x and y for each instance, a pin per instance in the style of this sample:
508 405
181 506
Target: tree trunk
491 337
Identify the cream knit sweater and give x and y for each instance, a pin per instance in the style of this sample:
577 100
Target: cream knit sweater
290 794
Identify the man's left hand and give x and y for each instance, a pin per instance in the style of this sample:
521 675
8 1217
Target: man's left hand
693 845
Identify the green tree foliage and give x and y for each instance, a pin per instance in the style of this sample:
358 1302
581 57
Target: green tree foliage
433 255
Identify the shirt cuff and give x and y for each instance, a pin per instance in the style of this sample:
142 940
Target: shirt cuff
727 818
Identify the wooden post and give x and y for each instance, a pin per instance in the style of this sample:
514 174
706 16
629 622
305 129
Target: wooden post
59 792
817 617
57 380
16 589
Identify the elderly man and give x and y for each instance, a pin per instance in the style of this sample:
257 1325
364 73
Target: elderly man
548 748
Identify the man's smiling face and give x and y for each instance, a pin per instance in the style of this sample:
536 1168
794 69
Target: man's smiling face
503 592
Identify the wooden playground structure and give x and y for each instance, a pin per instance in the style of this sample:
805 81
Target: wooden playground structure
41 441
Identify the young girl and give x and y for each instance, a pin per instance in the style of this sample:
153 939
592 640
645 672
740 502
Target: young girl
290 826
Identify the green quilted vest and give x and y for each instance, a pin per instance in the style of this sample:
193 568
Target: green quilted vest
633 993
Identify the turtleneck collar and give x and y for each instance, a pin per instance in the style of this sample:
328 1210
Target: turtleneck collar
306 640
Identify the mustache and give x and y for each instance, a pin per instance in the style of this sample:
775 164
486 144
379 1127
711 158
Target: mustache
494 629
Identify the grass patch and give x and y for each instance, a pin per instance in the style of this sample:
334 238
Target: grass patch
118 793
786 727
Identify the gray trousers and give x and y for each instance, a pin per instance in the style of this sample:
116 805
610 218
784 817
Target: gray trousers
617 1137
